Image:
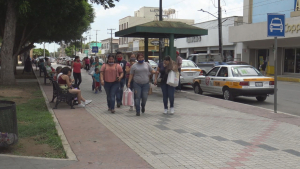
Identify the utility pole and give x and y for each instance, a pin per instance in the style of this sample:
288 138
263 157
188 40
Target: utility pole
44 51
96 40
220 29
160 39
111 51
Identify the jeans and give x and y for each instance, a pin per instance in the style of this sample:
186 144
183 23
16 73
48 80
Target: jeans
120 91
140 92
77 78
111 89
168 93
179 84
87 66
93 85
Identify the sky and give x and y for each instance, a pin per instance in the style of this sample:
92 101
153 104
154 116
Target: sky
185 9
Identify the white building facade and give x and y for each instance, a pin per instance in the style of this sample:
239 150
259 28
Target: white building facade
209 44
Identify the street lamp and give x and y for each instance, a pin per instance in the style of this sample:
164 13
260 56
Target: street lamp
220 30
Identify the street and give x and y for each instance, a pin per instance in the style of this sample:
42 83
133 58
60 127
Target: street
288 98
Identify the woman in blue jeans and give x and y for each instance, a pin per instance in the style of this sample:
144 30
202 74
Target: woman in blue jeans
140 73
110 75
167 90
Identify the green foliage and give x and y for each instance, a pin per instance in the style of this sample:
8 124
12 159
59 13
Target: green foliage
70 50
40 52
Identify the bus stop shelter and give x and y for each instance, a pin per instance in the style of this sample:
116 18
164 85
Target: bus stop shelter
162 29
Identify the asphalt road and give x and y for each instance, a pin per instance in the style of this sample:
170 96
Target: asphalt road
288 98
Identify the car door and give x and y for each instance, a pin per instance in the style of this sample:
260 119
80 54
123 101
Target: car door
220 80
208 84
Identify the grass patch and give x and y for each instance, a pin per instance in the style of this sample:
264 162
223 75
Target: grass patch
35 123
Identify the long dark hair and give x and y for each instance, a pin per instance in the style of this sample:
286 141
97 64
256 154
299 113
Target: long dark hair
76 57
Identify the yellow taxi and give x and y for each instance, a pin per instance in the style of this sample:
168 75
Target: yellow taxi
235 80
189 71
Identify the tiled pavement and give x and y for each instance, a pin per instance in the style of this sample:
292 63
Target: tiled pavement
204 133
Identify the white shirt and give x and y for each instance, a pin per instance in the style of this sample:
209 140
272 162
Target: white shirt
58 76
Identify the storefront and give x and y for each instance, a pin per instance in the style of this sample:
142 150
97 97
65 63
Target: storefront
209 44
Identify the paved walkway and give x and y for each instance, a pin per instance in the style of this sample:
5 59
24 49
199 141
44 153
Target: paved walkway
204 133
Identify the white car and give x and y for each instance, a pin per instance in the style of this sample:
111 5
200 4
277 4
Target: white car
189 71
276 24
235 80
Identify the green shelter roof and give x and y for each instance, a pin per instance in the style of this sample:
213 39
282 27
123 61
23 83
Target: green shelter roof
162 29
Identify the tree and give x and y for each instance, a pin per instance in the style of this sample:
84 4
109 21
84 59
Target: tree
23 21
40 52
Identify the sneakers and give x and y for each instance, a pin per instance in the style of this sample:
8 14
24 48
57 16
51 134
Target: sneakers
81 105
96 91
166 111
87 102
131 108
172 110
143 109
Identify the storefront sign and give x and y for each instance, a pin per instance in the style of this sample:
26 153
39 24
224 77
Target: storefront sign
193 39
292 28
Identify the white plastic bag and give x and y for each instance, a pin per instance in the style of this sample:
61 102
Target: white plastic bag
173 78
92 71
128 98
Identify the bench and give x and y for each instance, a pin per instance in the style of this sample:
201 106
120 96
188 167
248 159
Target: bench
46 75
62 95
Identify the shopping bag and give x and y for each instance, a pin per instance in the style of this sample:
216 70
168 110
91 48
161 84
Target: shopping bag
128 98
92 71
173 78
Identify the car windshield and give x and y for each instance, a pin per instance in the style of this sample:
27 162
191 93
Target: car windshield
276 21
245 71
188 64
152 62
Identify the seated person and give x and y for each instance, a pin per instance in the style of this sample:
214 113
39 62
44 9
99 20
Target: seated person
57 71
49 70
65 83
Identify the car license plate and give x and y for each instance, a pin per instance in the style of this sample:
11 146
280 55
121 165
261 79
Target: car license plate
189 74
258 84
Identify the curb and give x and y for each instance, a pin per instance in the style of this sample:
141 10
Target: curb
70 154
287 79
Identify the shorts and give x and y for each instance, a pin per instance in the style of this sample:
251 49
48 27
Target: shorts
97 84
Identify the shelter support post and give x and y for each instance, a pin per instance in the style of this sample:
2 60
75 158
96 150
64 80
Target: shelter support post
146 49
171 47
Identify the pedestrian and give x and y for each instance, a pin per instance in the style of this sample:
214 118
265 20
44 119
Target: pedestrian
167 90
66 84
87 64
122 63
57 72
128 66
110 74
96 79
264 66
140 72
91 61
179 63
97 64
76 67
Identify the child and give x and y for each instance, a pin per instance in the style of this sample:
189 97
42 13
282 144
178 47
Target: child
96 78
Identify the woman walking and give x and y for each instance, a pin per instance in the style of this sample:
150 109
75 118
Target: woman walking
76 66
65 83
87 64
140 72
110 75
128 66
167 90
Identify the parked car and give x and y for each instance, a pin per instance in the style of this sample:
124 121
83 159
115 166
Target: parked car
189 71
235 80
153 64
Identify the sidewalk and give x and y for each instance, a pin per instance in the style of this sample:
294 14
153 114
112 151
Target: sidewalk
204 133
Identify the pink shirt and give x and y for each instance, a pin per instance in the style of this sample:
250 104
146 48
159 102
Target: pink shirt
87 61
111 72
179 61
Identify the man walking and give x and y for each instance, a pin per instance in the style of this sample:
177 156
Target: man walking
179 63
122 63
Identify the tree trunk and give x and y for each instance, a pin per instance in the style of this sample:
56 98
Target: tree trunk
7 66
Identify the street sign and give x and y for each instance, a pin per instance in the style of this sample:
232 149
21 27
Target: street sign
276 25
95 49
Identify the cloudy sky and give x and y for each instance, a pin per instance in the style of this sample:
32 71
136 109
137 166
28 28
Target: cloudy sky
185 9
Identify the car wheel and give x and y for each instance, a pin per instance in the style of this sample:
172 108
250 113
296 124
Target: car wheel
197 89
227 94
261 98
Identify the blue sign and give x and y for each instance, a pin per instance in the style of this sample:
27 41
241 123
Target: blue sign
95 49
276 25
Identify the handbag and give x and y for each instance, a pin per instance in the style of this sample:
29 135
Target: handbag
92 71
173 78
128 98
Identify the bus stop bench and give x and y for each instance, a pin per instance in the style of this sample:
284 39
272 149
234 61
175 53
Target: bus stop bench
62 95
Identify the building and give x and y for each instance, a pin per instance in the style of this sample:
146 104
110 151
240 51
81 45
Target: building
257 47
144 15
209 44
106 46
